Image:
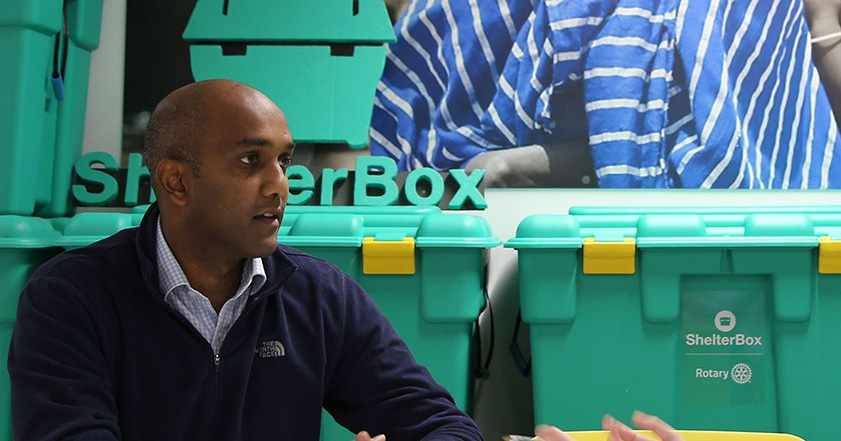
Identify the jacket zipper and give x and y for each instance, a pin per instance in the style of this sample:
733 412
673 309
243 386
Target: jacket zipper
217 358
237 324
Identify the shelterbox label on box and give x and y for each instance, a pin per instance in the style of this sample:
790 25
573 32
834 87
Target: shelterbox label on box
723 347
100 182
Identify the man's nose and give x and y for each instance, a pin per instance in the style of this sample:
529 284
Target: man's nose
276 184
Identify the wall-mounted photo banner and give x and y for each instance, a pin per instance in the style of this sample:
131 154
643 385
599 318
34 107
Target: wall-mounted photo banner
616 93
100 182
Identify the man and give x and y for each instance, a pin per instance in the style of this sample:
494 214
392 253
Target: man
197 325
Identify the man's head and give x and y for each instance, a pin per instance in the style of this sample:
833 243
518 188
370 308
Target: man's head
217 151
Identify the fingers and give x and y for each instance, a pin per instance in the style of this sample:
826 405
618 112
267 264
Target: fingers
619 431
364 436
656 425
550 433
616 430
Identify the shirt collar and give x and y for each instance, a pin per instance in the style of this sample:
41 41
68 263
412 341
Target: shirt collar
171 276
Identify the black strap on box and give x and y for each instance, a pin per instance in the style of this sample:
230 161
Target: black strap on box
481 371
514 347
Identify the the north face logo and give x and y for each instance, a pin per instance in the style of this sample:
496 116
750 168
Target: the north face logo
270 349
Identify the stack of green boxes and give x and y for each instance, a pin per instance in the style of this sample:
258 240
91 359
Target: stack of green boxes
43 126
712 318
319 61
425 271
42 122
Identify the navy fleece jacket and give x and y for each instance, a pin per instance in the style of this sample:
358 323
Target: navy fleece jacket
97 354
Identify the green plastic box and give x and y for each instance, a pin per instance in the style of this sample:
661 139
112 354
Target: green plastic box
53 198
319 61
84 229
42 135
434 309
622 221
27 36
724 319
25 243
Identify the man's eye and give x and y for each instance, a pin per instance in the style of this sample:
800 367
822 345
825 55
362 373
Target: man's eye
285 162
250 159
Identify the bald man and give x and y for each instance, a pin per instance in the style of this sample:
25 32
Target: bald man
197 325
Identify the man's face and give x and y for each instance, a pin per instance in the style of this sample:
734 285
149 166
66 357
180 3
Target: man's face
242 190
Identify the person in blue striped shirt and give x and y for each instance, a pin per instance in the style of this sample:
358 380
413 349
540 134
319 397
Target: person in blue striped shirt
654 93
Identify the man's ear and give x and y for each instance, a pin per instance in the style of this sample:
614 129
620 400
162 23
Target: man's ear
174 178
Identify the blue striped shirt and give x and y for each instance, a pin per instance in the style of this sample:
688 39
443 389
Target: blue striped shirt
194 306
669 93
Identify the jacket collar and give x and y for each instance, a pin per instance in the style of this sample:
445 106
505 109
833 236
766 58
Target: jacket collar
279 267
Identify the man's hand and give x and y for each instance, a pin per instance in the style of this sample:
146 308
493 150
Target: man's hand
364 436
619 431
517 167
550 433
823 16
567 164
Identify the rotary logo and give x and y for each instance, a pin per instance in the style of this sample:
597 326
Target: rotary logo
741 373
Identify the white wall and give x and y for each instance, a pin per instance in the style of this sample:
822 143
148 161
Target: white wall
504 402
104 117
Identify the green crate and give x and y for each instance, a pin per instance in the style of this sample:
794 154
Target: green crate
42 135
84 229
612 343
25 243
320 62
435 308
137 214
27 36
53 198
811 210
622 221
302 22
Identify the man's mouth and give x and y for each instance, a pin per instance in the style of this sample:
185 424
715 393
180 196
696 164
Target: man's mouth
268 218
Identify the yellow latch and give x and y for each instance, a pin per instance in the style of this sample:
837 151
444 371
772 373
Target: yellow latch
829 256
388 257
609 257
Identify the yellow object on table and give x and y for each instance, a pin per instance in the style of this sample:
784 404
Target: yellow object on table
688 435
